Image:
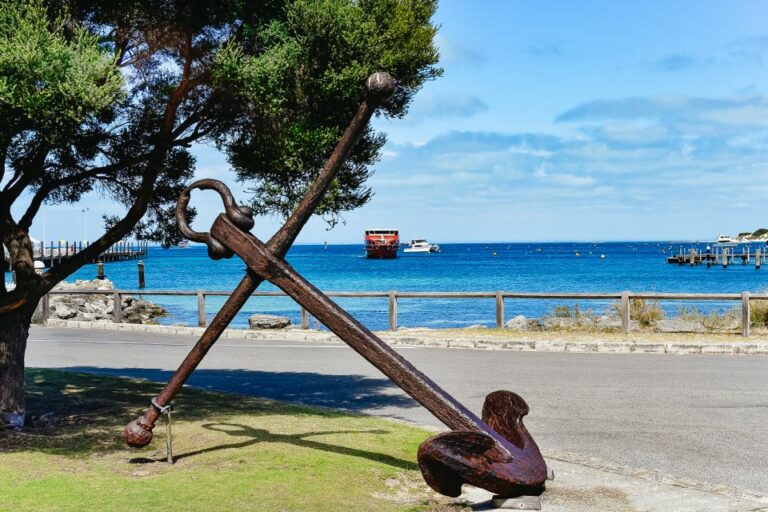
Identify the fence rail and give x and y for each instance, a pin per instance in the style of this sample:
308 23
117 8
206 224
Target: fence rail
392 296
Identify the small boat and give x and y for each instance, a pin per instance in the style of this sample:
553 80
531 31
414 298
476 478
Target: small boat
382 244
183 244
725 239
421 246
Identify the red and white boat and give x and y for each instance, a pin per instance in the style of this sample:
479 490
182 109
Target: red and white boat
382 243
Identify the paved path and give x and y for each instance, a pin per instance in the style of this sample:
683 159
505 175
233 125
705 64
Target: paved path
699 417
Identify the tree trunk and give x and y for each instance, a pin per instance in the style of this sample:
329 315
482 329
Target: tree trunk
14 330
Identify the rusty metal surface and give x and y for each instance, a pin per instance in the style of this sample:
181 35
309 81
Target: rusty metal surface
496 452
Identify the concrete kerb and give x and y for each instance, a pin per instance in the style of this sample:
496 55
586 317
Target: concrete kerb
608 347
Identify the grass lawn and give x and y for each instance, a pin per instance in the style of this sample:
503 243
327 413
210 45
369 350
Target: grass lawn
232 453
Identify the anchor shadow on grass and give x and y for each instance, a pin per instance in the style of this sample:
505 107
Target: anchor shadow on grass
79 411
347 392
257 435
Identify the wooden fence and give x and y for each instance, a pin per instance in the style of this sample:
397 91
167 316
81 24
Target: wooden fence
393 296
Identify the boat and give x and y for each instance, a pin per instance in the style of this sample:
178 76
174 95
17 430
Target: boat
725 239
421 246
381 244
183 245
725 242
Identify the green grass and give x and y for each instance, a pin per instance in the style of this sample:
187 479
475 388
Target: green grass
232 453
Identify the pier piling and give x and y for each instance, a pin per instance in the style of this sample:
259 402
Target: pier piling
100 271
141 274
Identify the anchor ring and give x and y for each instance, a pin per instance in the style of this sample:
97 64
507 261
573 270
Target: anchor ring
240 216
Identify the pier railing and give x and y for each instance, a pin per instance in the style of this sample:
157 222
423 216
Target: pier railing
54 253
624 301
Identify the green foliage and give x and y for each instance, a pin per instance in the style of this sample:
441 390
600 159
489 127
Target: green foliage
50 80
760 232
304 84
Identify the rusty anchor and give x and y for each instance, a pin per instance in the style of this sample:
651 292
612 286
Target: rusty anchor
496 453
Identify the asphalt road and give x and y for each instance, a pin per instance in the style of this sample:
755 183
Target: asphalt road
701 417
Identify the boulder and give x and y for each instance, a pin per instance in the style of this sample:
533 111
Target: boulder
518 323
268 322
556 322
63 311
679 325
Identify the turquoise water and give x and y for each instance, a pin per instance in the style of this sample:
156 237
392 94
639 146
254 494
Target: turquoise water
529 267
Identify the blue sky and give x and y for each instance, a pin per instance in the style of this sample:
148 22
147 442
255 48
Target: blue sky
563 121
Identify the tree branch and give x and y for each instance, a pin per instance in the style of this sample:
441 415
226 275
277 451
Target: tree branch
143 195
23 179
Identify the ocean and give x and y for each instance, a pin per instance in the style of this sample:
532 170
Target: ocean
520 267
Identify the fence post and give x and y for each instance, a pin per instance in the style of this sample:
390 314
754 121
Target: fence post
304 318
117 309
393 310
746 317
201 320
46 307
499 310
625 312
100 270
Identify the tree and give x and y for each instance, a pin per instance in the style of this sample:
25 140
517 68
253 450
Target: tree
109 96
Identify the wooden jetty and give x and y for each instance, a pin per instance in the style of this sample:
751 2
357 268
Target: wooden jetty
724 256
55 253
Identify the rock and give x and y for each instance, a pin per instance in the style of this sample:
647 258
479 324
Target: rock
268 322
534 324
679 325
556 322
63 311
608 322
100 307
518 323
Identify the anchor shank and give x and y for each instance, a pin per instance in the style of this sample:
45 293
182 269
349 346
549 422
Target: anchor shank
260 260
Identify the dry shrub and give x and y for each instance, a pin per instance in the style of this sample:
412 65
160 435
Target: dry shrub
646 312
758 313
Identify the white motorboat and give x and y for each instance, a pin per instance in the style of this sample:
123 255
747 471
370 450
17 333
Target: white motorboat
725 239
421 246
